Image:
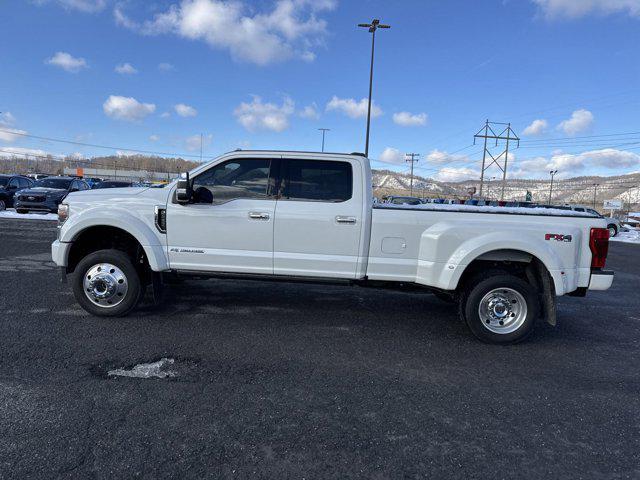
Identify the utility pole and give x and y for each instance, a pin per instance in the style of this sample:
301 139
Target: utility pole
323 130
115 168
487 132
595 192
553 174
412 158
373 26
201 140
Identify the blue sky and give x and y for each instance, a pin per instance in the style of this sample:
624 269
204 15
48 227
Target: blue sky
154 75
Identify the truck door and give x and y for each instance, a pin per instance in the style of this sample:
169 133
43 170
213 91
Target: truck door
318 219
229 225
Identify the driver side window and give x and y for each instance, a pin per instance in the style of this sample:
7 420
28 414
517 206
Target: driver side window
232 180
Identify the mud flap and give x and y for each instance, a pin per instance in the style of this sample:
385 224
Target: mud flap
548 296
157 286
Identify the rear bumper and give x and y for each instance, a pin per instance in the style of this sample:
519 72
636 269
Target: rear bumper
601 280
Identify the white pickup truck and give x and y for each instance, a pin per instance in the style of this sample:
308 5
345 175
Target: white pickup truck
298 216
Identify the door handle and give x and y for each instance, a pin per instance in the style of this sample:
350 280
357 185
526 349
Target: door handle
258 216
349 220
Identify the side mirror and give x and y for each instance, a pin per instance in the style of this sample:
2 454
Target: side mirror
183 190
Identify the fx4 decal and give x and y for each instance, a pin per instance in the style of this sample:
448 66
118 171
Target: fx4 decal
557 237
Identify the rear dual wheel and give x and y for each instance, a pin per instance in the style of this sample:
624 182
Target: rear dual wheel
500 309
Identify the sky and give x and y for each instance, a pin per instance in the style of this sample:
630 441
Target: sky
267 74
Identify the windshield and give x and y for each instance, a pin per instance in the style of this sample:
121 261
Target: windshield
3 181
61 183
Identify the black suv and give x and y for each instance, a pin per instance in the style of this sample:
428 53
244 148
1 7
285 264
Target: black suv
47 194
9 185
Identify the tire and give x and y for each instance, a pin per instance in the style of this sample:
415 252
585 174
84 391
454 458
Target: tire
3 206
500 309
97 284
613 230
21 211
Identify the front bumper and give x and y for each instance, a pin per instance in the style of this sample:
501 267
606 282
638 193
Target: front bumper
60 253
49 205
601 280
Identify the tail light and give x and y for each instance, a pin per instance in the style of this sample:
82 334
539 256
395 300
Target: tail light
599 245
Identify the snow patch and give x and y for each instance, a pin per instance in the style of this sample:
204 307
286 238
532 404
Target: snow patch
632 236
157 369
10 213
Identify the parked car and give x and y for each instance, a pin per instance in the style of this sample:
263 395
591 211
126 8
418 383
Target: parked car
37 176
45 195
309 216
114 184
9 186
93 181
613 224
403 200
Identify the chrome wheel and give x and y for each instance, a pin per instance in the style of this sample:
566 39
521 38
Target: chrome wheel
105 285
612 231
502 310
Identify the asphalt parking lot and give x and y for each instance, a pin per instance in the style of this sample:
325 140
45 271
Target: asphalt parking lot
304 381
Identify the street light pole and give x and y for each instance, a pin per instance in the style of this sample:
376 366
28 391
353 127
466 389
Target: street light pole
552 173
595 192
324 130
373 26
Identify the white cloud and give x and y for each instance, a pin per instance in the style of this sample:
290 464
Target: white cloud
6 118
290 29
192 143
392 155
310 112
67 62
264 116
537 127
407 119
23 152
580 121
353 108
185 110
165 67
10 135
126 69
154 138
457 174
86 6
127 108
570 164
553 9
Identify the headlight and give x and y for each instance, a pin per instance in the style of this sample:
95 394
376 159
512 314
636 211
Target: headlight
63 213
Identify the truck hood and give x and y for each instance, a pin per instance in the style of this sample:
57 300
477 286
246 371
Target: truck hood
115 195
42 190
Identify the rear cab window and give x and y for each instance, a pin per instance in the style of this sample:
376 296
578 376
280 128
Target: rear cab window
317 180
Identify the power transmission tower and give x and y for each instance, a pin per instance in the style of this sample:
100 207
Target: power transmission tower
487 132
413 158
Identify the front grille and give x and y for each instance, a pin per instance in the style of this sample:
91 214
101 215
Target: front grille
32 198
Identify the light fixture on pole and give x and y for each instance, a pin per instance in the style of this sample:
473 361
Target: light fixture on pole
553 174
373 26
324 130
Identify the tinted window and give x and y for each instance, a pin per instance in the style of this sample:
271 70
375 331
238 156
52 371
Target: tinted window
232 180
3 181
14 183
61 183
318 180
25 183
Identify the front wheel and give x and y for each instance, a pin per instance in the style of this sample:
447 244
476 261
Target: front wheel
107 284
613 230
500 309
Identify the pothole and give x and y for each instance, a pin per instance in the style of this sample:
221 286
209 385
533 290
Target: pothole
158 369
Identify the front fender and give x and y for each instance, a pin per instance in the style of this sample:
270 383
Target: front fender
447 248
151 240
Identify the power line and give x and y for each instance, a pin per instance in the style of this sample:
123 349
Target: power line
82 144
